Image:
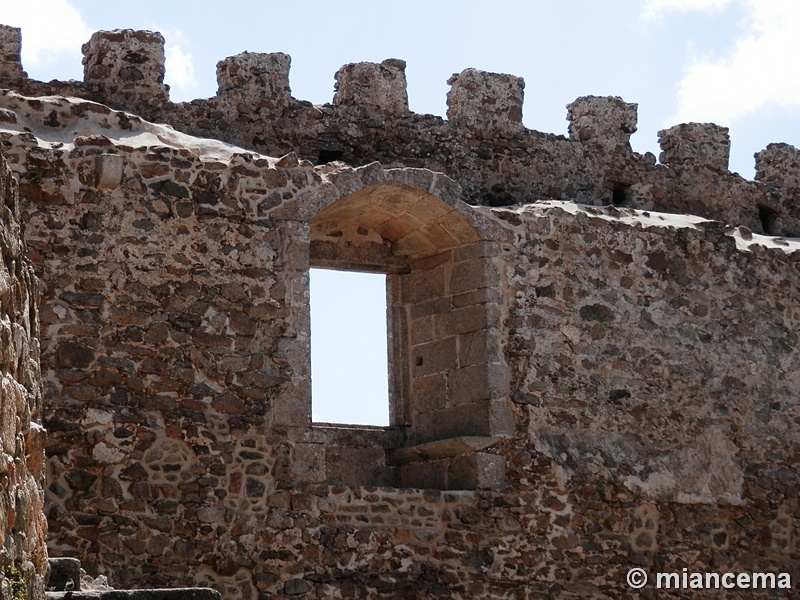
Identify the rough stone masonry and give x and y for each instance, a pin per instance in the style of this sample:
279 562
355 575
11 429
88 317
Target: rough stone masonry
594 353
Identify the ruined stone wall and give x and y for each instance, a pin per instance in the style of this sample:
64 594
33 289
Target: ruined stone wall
652 364
23 563
482 145
641 407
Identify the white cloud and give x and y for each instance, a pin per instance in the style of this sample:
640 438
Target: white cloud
762 69
656 8
49 28
179 67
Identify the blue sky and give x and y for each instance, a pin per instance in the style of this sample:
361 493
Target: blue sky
732 62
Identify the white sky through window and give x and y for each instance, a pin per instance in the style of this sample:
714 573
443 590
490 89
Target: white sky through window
349 369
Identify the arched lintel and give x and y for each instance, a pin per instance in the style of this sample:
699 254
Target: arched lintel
425 187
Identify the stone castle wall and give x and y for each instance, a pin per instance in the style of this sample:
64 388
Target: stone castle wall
482 145
586 388
22 461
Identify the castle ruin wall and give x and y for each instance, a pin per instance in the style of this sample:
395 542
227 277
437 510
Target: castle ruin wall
483 146
23 561
620 385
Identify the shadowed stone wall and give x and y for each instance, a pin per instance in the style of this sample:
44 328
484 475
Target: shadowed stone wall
22 524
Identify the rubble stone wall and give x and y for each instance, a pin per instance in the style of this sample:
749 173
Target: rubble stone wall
638 388
23 562
483 145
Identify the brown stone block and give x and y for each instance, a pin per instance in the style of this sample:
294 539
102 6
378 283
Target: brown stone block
434 357
309 462
414 244
432 307
479 296
108 171
397 199
472 275
439 236
422 286
472 348
398 227
475 250
422 330
353 466
468 384
480 470
425 475
428 262
293 407
464 420
460 321
501 417
455 224
429 393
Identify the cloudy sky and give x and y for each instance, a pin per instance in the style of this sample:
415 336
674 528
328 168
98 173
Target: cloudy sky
732 62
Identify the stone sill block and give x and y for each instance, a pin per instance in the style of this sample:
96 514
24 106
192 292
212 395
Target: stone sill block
440 449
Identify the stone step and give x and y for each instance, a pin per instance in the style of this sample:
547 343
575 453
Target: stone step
165 594
65 577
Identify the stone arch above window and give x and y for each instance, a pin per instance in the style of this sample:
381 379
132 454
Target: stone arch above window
448 381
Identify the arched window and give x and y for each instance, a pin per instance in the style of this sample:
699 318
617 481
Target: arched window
448 389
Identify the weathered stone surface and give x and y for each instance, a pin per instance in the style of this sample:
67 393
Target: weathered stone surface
126 67
607 122
381 86
167 594
636 370
696 144
485 100
65 573
23 561
252 82
10 46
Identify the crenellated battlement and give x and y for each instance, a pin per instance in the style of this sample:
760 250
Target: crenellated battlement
482 144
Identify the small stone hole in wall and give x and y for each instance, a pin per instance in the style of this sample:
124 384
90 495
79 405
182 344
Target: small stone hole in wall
418 362
326 156
620 195
349 348
767 216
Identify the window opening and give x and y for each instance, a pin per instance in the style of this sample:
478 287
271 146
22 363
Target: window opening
620 195
349 349
767 217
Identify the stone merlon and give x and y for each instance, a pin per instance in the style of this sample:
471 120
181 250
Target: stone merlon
10 47
382 86
607 121
485 100
701 144
126 66
251 81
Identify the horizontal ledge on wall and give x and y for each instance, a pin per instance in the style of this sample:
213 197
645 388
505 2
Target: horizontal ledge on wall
446 448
